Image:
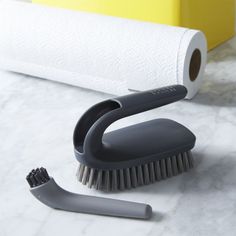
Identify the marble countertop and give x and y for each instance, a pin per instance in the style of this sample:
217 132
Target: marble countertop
37 118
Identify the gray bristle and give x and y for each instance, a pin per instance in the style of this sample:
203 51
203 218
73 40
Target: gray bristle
158 170
152 172
114 182
128 178
146 174
121 179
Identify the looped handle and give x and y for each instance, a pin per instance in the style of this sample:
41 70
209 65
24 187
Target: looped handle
90 128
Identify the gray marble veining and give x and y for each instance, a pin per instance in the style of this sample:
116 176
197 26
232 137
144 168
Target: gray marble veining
37 118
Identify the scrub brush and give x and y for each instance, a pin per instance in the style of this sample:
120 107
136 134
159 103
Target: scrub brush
135 155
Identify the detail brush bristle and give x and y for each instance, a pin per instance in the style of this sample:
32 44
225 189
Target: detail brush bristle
121 179
37 177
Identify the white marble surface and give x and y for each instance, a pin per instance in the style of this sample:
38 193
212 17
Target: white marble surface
37 118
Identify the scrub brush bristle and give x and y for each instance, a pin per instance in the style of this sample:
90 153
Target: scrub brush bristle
121 179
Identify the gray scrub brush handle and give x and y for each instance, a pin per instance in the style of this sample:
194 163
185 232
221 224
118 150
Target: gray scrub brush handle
90 128
54 196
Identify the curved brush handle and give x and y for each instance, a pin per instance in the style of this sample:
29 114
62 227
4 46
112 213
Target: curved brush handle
54 196
91 126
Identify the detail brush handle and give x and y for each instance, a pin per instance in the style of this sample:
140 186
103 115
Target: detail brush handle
54 196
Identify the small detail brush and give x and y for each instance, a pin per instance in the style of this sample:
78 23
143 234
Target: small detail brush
46 190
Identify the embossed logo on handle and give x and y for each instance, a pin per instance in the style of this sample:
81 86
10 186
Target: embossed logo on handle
165 90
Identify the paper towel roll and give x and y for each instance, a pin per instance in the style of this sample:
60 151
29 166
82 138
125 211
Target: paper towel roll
103 53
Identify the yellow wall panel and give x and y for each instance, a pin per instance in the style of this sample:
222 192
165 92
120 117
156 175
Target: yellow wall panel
214 17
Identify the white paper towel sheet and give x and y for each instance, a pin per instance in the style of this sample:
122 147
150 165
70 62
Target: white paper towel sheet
98 52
